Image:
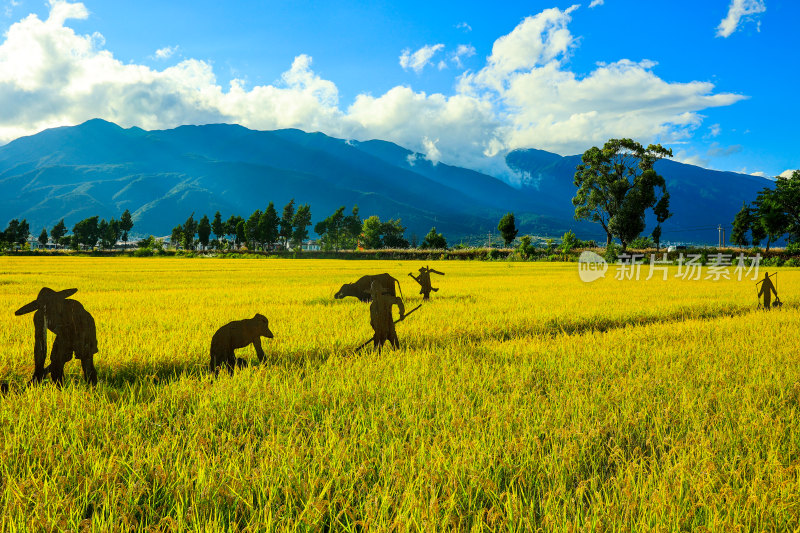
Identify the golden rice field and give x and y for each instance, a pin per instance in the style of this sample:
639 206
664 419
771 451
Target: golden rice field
521 399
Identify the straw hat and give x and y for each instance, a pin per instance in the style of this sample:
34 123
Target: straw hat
45 296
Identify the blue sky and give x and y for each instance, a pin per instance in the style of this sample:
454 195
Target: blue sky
716 81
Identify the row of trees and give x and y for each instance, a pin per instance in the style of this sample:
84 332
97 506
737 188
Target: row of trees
16 233
775 213
262 229
87 233
265 230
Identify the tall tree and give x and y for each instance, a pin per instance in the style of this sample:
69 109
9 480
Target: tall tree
86 232
617 184
657 236
372 233
108 233
287 222
23 232
188 233
352 229
770 216
115 227
11 231
300 223
58 232
240 235
330 230
270 226
43 237
125 226
204 231
508 228
230 225
662 212
176 237
741 226
102 233
787 191
434 240
218 227
393 234
252 230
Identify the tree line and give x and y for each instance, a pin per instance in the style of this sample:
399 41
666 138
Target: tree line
86 234
266 230
261 230
774 214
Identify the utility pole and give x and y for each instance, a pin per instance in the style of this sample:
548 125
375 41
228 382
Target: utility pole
719 235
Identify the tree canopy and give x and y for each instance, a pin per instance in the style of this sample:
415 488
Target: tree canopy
434 240
617 184
508 228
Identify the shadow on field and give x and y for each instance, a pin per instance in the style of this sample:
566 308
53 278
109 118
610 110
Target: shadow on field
592 324
161 373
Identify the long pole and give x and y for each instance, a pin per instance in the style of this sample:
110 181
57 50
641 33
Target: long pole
396 321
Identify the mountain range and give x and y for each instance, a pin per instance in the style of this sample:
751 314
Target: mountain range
99 168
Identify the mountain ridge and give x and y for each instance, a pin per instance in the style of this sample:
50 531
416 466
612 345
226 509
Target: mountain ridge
100 168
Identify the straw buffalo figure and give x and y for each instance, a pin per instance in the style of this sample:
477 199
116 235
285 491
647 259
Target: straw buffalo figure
361 288
238 334
75 334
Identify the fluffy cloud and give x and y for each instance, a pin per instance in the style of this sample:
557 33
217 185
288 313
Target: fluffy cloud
738 11
596 3
547 106
166 52
788 173
462 51
420 58
682 156
523 96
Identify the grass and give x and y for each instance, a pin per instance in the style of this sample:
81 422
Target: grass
522 399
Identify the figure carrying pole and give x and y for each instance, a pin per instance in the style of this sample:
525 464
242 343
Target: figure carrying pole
396 321
767 290
424 280
380 317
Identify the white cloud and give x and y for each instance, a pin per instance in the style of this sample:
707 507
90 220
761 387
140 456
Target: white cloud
432 153
738 10
9 6
546 106
420 58
714 130
523 96
788 173
166 52
760 174
462 51
464 26
596 3
682 156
